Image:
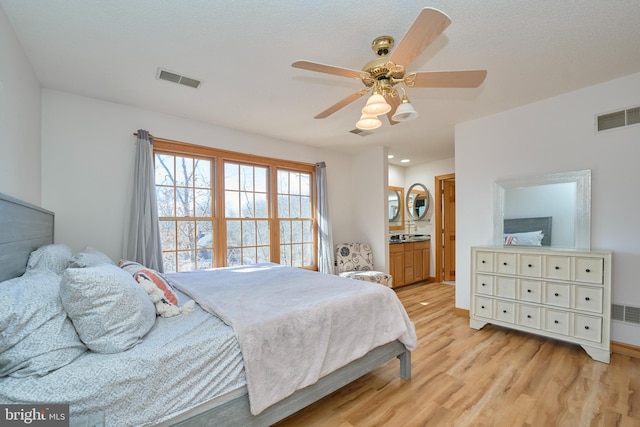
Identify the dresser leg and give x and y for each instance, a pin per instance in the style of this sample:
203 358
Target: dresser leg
476 324
598 354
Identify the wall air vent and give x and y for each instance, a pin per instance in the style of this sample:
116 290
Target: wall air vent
178 78
618 119
361 132
625 313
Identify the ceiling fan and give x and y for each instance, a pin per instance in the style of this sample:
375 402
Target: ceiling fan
384 75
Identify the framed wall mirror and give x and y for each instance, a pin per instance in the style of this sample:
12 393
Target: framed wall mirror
395 196
417 203
558 204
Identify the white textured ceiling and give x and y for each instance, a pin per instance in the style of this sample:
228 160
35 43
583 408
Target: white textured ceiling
243 49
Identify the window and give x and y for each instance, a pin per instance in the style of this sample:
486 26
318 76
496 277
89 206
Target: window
246 213
185 210
218 208
295 218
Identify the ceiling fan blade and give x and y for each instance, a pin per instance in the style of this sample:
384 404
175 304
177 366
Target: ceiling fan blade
462 79
328 69
429 24
394 101
341 104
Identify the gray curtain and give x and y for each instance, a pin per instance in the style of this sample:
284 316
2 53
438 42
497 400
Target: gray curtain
326 254
143 240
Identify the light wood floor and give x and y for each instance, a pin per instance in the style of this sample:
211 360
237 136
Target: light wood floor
491 377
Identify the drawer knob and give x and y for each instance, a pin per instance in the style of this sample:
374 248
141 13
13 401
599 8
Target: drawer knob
484 284
504 263
528 316
482 306
557 268
556 322
529 290
557 294
504 311
483 261
587 299
530 265
588 270
586 327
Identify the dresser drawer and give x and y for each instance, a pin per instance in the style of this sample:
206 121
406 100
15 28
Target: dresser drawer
588 328
589 270
484 262
530 290
529 316
530 265
556 321
483 307
558 294
505 311
588 298
506 263
557 267
484 284
505 287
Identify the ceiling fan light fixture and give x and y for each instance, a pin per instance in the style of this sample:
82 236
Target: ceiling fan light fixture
376 105
405 111
368 122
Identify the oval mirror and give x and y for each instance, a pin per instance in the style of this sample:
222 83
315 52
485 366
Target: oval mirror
395 213
417 201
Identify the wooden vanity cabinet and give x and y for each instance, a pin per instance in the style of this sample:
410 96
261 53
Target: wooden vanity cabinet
409 262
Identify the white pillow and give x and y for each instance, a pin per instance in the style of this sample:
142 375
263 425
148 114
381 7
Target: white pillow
108 308
531 238
36 336
89 257
54 257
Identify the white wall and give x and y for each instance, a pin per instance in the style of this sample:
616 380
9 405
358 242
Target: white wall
88 153
550 136
368 189
20 105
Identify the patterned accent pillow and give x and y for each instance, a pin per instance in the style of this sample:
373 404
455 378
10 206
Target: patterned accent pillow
89 257
130 267
54 257
157 279
36 336
110 311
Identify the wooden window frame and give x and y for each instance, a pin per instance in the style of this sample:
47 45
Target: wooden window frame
218 157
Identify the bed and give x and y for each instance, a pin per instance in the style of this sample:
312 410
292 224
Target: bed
193 386
526 228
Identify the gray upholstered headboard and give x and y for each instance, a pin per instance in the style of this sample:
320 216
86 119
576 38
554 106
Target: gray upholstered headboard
23 228
522 225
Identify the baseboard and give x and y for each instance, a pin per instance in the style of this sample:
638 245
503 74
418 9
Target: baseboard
463 312
625 349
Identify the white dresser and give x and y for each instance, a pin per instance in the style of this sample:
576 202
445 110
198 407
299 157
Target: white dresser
561 294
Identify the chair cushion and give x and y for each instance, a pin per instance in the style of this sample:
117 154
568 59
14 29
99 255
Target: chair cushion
354 257
369 276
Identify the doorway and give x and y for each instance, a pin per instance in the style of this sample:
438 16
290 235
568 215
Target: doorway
445 228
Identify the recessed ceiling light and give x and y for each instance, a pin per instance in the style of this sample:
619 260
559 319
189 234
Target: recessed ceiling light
405 161
390 156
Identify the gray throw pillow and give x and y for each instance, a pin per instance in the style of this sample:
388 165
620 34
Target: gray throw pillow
54 257
36 336
109 309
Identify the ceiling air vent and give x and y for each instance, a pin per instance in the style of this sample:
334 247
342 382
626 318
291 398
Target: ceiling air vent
361 132
618 119
178 78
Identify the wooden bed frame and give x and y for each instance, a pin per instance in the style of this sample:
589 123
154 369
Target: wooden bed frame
523 225
25 227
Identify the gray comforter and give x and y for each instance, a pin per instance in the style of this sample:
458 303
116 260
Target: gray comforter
296 326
